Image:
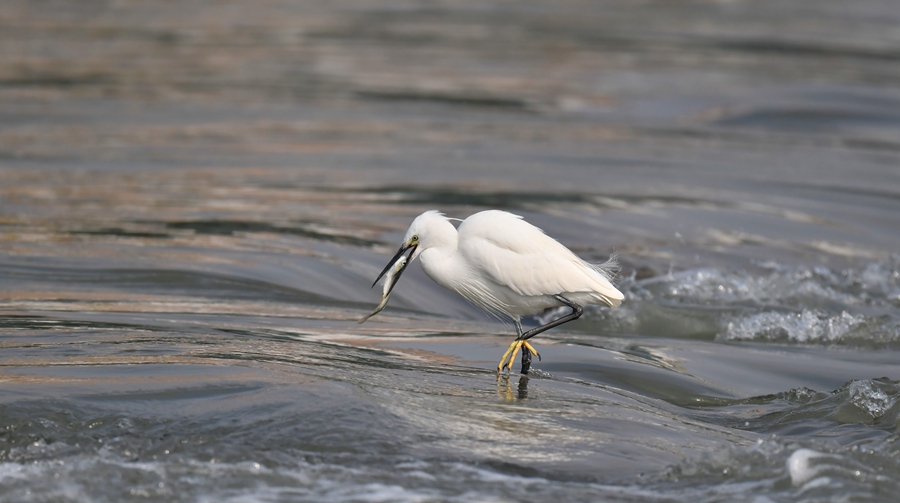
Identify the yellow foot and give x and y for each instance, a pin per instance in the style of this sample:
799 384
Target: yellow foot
512 352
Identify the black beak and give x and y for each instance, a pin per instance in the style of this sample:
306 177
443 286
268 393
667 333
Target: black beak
403 249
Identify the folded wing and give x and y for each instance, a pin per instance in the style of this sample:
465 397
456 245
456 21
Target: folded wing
516 254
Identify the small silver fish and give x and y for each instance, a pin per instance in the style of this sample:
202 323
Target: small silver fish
390 280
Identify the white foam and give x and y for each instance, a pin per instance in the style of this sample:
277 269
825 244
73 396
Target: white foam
807 305
866 397
877 284
799 467
805 326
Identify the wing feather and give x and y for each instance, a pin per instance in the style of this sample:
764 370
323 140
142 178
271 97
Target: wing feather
511 252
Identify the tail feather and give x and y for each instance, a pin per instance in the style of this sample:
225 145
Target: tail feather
609 270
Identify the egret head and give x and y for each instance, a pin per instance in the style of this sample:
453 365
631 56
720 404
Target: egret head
428 230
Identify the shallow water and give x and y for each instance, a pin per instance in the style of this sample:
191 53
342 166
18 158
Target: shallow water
195 201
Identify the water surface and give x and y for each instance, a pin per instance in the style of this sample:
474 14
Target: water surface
195 199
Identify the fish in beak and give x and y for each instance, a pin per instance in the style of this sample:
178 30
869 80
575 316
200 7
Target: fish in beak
391 275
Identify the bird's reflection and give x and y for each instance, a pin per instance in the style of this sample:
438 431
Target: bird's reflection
523 387
504 388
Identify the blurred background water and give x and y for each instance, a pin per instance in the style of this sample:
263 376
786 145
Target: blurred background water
196 196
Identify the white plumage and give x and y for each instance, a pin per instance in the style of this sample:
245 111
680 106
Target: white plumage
506 266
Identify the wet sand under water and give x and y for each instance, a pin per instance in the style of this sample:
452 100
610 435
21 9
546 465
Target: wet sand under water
195 201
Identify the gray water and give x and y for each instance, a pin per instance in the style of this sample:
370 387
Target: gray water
195 198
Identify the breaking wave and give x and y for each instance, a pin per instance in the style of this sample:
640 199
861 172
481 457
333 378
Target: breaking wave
772 303
865 402
875 285
813 327
774 470
813 443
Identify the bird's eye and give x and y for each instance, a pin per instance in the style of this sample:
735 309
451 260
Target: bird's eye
415 237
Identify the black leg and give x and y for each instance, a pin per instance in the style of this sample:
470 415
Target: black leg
526 361
576 313
526 354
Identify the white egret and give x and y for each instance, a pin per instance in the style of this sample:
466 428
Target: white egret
507 267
